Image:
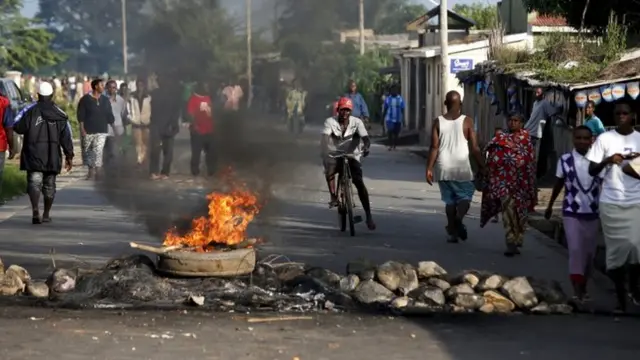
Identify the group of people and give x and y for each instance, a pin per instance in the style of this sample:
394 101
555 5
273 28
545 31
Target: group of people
600 178
104 115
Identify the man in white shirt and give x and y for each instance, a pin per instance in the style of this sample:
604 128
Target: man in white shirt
344 132
619 203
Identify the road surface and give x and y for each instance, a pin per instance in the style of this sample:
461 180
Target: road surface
94 223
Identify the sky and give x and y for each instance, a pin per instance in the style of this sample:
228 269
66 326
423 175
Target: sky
31 6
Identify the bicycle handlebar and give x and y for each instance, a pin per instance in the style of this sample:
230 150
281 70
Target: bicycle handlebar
340 154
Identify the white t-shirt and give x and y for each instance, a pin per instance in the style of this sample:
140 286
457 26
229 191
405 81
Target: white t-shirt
617 188
341 142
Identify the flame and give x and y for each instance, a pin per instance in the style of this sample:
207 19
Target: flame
228 217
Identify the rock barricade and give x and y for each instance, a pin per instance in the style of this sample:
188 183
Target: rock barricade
394 286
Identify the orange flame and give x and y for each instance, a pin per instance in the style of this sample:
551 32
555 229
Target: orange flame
228 217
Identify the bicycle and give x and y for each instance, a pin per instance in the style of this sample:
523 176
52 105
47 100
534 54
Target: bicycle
344 191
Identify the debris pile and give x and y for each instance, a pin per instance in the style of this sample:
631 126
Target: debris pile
291 287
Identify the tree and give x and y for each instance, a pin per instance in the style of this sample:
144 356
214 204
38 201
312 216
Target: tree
192 39
90 32
593 16
484 15
396 18
23 45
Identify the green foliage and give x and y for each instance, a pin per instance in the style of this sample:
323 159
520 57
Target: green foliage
592 54
23 45
90 32
484 15
594 18
14 182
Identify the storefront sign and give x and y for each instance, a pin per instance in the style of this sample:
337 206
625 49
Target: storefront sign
606 93
633 89
458 65
617 91
594 95
581 99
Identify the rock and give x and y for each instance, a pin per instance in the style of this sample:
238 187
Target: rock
37 289
428 294
468 301
492 282
520 292
21 272
487 308
365 269
400 302
61 281
459 309
326 276
349 283
197 300
397 276
428 269
500 303
369 292
471 279
1 267
11 284
463 288
547 291
289 272
562 309
439 283
541 309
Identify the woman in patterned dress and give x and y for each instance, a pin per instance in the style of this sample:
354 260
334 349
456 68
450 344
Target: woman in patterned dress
510 183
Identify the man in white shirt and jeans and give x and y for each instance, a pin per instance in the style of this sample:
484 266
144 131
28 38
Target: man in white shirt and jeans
344 132
619 203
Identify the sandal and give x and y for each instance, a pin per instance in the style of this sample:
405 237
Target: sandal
36 220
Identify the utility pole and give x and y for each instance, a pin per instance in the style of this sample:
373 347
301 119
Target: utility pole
249 56
125 59
361 11
444 51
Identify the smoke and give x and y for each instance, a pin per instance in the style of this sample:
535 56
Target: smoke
254 146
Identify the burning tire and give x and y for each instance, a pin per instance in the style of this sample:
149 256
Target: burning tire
195 264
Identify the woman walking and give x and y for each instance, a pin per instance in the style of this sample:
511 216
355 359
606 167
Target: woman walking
580 217
510 182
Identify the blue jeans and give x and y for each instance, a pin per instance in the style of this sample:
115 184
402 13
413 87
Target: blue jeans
453 192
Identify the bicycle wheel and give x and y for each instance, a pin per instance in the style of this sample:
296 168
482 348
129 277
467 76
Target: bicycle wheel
348 203
342 213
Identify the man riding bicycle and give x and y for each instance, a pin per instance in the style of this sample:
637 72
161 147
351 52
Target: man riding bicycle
344 133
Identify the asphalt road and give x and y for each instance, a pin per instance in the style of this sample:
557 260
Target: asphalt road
94 223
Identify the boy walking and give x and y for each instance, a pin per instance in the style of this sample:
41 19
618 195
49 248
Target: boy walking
580 217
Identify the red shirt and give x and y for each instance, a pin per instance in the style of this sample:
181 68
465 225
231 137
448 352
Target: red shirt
4 103
199 108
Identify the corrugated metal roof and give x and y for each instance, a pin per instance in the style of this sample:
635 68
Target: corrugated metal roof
545 20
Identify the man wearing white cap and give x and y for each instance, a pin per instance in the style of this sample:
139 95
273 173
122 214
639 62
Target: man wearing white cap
47 135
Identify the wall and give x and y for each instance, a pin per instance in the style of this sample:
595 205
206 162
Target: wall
426 101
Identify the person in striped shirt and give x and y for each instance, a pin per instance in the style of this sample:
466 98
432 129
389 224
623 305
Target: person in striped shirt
393 114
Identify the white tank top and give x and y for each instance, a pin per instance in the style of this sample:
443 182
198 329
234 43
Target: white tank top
453 162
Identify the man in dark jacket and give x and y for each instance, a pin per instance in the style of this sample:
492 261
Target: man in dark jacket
165 125
47 135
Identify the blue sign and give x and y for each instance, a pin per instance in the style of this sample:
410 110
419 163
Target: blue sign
458 65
